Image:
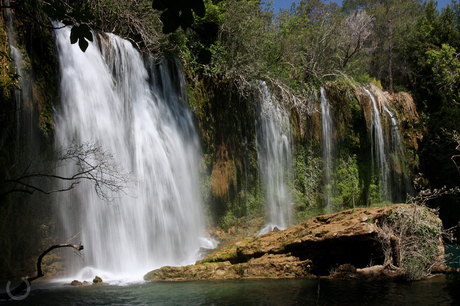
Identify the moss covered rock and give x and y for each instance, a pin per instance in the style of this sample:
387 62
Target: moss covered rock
353 238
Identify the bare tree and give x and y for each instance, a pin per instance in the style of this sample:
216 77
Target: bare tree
356 29
26 281
92 163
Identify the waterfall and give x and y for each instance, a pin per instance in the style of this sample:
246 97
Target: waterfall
274 150
388 152
137 111
401 181
327 135
21 92
378 150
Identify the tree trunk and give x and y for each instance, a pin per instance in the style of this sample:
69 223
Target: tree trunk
395 250
25 284
390 59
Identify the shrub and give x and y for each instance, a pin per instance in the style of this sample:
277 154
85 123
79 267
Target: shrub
410 237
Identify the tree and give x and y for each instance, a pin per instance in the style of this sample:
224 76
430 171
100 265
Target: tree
26 281
92 162
178 13
393 21
356 29
175 13
445 66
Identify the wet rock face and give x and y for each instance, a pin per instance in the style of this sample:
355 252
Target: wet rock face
315 247
267 266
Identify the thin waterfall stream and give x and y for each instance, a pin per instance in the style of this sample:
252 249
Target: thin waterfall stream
327 135
378 154
274 147
137 110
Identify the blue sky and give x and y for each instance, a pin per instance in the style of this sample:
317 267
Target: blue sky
277 4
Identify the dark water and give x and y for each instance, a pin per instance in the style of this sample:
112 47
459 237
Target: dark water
453 255
440 290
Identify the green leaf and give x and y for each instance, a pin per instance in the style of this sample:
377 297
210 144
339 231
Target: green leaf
83 44
159 5
74 35
187 19
86 31
55 10
170 22
204 57
81 33
198 7
82 16
175 8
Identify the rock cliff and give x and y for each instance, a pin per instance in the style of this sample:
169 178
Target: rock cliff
360 238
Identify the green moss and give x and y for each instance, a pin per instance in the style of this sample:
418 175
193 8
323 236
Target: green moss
226 253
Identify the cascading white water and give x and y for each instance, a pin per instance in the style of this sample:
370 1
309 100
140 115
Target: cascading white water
401 184
139 114
327 135
378 150
274 147
21 93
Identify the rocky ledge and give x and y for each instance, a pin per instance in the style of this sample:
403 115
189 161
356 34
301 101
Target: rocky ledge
360 242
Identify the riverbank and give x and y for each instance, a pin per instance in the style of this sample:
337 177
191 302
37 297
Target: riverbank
395 241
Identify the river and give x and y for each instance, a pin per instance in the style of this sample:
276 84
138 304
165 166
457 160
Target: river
439 290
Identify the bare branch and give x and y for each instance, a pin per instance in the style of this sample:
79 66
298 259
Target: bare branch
426 195
92 163
356 29
25 283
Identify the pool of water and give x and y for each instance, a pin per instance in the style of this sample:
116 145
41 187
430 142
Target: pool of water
439 290
453 255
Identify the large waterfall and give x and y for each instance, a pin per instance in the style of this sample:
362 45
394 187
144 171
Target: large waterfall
274 147
327 135
137 111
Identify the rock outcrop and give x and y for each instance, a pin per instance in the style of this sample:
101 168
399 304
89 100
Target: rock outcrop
316 247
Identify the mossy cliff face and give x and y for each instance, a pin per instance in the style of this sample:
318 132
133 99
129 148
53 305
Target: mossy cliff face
231 180
358 237
230 184
26 103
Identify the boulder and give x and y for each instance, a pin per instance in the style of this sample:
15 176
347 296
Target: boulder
97 280
76 283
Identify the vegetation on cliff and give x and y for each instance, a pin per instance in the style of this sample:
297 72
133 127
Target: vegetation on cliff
407 48
402 240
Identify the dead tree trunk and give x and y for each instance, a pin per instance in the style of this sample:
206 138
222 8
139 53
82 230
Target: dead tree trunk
395 251
26 282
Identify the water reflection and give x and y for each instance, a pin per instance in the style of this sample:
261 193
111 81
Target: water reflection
438 290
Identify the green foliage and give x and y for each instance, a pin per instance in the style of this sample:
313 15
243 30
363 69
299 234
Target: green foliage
418 232
347 181
308 171
446 69
27 225
81 31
